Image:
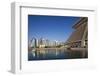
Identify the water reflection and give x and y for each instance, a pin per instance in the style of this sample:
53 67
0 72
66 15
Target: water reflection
47 54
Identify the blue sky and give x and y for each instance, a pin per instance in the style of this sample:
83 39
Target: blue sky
51 27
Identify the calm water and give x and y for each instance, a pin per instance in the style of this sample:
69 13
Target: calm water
52 54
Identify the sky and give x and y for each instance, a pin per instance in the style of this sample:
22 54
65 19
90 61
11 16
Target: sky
51 27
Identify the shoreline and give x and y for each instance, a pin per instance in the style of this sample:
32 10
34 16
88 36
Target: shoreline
71 49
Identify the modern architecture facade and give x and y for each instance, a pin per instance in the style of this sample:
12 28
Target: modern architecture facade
79 37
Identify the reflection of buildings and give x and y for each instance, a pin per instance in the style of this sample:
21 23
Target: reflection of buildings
79 37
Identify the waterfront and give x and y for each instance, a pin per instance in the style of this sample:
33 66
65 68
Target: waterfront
57 37
56 53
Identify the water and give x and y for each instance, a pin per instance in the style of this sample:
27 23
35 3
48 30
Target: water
52 54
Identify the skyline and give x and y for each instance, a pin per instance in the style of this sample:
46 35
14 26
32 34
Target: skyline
51 27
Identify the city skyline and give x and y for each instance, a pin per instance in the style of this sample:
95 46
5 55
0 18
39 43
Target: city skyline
57 37
51 27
